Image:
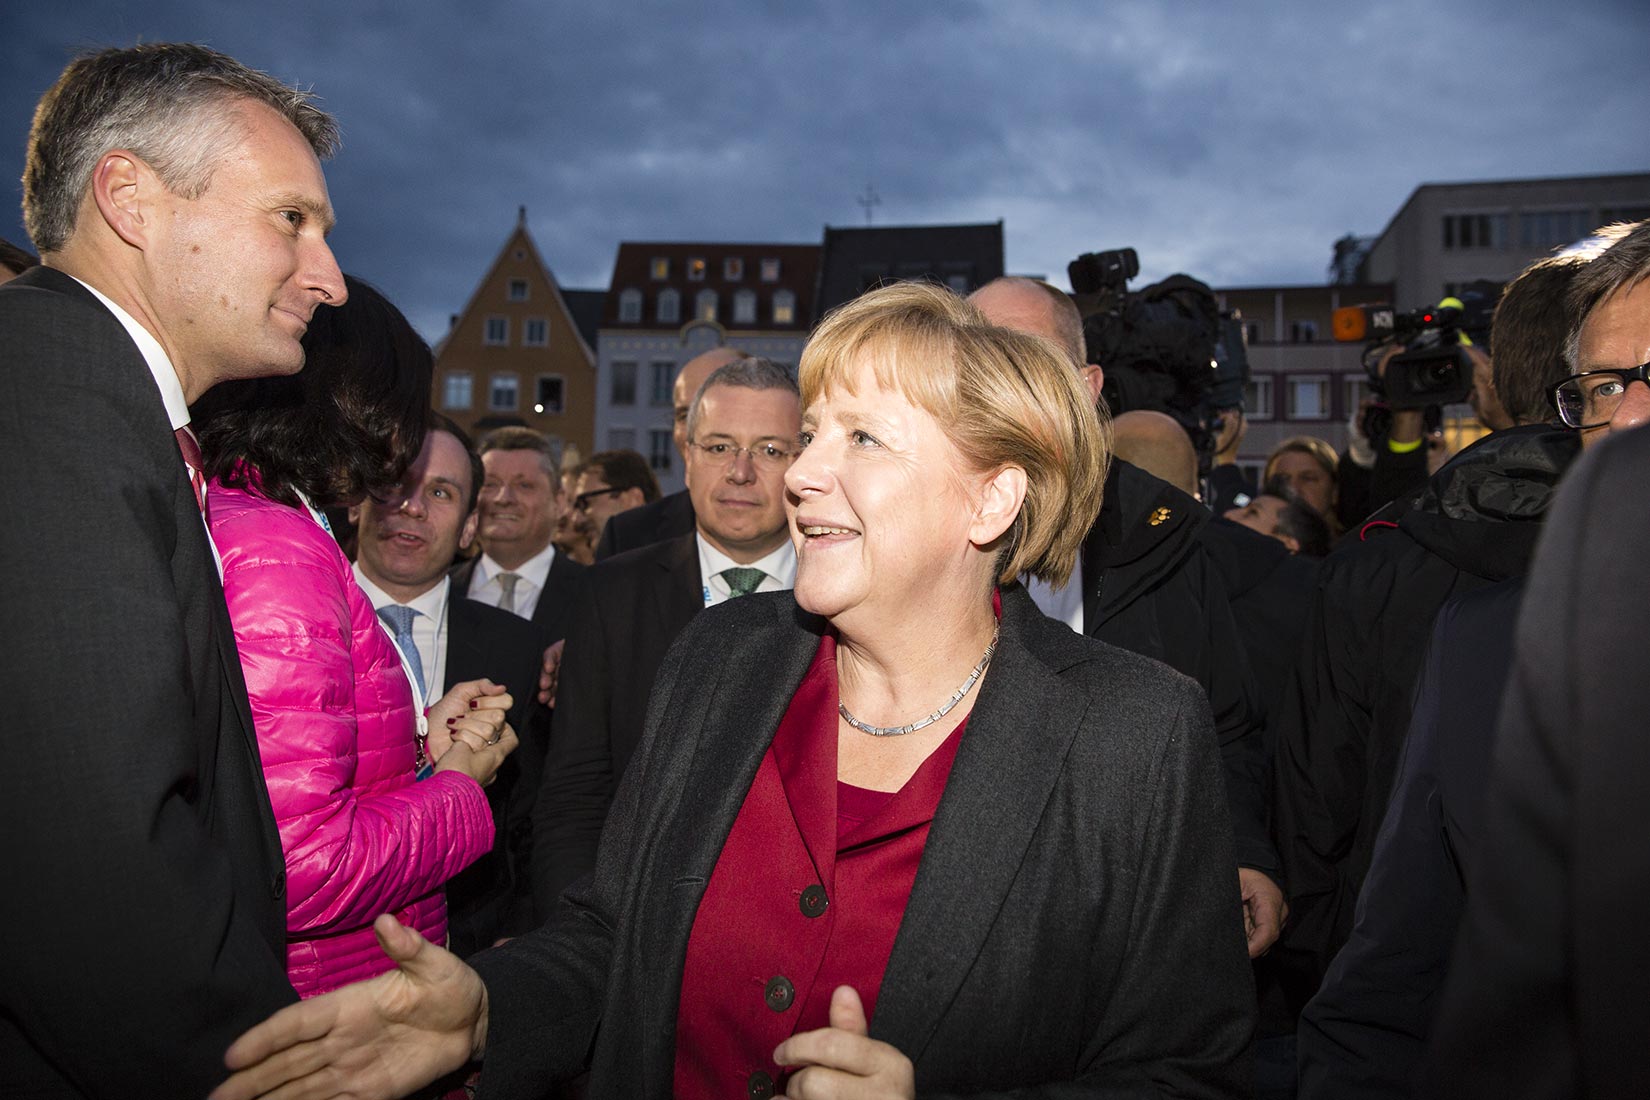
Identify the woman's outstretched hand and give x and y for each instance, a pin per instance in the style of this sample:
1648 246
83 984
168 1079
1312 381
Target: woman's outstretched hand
379 1038
843 1061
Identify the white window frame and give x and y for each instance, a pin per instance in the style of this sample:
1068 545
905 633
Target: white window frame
514 285
527 340
733 269
462 379
1292 407
630 306
673 315
744 306
504 380
495 331
770 270
706 304
613 395
1264 401
784 307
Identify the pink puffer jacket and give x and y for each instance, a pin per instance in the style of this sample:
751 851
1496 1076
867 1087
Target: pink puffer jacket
336 726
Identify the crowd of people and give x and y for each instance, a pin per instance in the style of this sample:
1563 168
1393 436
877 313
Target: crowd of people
946 735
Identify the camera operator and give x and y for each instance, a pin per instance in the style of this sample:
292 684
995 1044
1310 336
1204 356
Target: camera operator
1145 583
1229 486
1474 523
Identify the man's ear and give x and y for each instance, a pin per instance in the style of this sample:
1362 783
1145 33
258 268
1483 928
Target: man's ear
632 498
467 533
355 515
999 504
1094 377
1291 542
124 189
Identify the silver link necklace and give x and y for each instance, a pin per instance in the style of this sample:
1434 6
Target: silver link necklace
956 697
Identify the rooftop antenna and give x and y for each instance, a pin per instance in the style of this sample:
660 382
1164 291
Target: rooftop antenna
868 200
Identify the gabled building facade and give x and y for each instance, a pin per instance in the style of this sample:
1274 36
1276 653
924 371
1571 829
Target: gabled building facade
671 301
515 354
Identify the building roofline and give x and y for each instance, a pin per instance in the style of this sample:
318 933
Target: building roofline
555 287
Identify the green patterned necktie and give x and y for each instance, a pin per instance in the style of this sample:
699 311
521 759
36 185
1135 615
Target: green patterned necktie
742 580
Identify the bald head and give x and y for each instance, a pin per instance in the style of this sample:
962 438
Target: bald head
1035 307
1159 445
688 380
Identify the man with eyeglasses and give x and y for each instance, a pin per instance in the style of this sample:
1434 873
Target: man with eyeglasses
1364 1033
610 483
741 435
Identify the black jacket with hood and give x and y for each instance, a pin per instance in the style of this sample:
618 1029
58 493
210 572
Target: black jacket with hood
1341 731
1151 588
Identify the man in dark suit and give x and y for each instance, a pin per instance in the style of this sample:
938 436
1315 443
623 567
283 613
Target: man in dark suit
179 206
670 516
521 498
405 548
742 432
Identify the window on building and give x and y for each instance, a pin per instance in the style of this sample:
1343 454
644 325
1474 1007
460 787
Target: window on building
661 377
1252 332
457 390
624 383
535 332
770 271
696 270
1476 231
744 307
1609 215
549 395
621 439
733 268
660 447
521 253
630 306
518 290
1355 387
496 332
503 393
1309 397
1550 228
784 307
1257 398
1303 332
704 306
670 306
659 268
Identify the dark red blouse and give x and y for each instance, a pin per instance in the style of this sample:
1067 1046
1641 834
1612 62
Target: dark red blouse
807 895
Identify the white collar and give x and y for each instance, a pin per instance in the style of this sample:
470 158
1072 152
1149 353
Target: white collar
780 564
431 602
535 569
166 376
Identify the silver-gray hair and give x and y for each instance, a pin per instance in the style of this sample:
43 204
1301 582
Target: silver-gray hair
749 374
169 103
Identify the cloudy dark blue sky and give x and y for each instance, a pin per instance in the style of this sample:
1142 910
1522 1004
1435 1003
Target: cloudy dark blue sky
1235 142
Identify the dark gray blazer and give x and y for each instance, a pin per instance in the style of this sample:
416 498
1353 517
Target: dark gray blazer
142 889
1075 924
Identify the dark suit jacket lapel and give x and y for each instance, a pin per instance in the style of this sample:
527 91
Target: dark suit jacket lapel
681 595
466 656
1011 756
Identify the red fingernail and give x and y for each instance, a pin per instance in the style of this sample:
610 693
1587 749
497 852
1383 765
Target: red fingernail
472 704
452 721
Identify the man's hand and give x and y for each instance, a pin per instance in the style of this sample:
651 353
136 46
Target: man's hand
378 1038
550 673
843 1061
1264 910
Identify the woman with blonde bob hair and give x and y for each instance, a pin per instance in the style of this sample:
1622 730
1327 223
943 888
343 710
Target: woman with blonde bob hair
894 833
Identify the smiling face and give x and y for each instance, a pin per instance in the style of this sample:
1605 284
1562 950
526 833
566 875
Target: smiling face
882 509
407 543
740 503
235 274
520 503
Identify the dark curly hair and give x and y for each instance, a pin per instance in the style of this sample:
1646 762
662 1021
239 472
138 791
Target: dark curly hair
346 426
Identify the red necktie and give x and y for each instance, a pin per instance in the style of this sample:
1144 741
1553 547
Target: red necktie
197 466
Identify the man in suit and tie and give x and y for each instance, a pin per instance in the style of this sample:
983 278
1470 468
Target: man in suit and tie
741 435
669 516
521 499
406 547
179 207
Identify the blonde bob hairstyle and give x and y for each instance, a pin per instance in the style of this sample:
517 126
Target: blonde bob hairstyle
1003 398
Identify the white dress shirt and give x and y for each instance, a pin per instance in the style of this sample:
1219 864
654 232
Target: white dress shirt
429 629
1062 604
531 578
780 567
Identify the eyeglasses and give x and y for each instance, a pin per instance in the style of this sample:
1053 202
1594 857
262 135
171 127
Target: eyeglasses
1590 399
767 456
582 501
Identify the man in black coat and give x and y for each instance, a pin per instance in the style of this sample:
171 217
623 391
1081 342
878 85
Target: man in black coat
1145 583
405 548
144 897
634 605
1475 524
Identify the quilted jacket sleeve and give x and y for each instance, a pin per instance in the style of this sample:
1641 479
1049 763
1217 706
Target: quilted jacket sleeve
335 724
